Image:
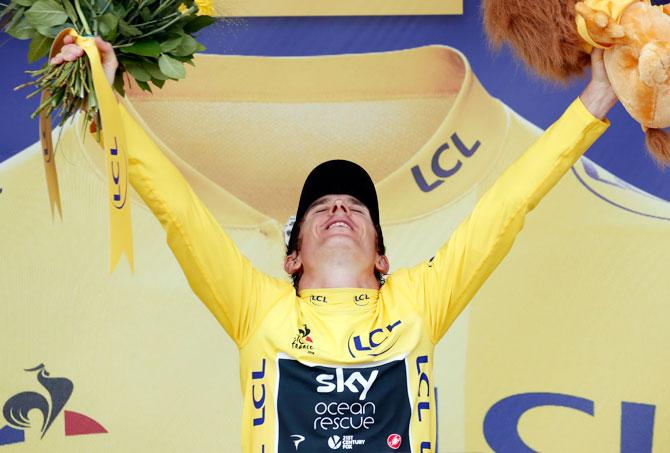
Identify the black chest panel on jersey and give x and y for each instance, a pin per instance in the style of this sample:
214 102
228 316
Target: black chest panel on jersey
324 409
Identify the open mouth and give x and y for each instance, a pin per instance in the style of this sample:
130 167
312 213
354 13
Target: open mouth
339 224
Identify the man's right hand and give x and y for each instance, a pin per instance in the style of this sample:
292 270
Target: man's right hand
71 52
598 96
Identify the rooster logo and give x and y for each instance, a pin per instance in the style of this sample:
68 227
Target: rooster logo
304 333
303 340
17 407
59 389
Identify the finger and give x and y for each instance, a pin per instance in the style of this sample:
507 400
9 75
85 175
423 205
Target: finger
106 50
71 53
597 55
70 57
71 48
69 39
57 59
102 44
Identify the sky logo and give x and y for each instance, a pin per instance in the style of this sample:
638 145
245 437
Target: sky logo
59 389
341 384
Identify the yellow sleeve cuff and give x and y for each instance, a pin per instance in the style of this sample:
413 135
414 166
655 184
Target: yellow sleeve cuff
585 116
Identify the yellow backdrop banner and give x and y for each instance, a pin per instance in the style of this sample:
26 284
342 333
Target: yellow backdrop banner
248 8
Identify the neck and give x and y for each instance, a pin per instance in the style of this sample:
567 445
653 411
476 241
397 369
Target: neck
337 274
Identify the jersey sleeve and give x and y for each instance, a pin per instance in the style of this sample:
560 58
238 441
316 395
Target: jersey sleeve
232 289
448 281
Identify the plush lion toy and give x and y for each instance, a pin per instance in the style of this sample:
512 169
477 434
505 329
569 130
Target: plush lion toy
555 38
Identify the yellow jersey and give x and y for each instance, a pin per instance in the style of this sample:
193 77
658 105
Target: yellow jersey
346 368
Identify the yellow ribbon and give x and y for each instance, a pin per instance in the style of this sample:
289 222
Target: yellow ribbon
114 144
49 160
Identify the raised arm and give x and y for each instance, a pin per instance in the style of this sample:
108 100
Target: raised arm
450 280
230 287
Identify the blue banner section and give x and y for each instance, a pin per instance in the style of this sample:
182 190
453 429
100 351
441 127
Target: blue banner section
322 409
9 435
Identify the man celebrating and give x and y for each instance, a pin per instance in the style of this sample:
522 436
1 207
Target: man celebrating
343 359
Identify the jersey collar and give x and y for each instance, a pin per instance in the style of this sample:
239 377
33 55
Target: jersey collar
340 297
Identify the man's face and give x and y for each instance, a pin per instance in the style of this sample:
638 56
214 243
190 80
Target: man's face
338 226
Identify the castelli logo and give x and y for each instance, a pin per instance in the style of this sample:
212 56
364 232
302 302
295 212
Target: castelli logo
394 441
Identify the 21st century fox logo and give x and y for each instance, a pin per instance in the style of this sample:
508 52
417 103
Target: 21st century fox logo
22 411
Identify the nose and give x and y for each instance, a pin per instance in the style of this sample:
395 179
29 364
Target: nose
339 203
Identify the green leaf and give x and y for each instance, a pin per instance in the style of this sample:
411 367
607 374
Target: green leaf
46 13
200 48
69 10
171 43
159 83
145 14
52 32
172 68
27 3
118 83
22 30
137 71
39 47
144 85
145 48
186 47
128 30
99 4
107 24
185 59
154 70
117 9
198 23
19 27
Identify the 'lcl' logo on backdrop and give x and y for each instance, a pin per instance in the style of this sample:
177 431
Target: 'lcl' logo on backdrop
17 408
439 172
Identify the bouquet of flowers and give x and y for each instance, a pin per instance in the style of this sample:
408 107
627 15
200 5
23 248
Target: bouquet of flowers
153 40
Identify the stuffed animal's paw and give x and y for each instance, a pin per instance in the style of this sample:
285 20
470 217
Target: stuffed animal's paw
654 64
602 28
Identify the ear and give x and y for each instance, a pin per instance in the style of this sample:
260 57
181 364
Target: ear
292 263
382 264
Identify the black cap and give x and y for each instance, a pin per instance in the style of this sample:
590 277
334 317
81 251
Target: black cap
337 177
